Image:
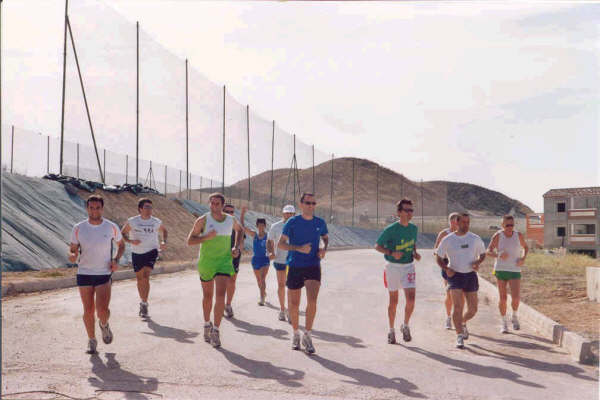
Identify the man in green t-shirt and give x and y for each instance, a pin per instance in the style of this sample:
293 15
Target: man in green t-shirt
398 242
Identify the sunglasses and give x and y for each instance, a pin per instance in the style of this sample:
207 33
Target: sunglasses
509 225
310 203
408 210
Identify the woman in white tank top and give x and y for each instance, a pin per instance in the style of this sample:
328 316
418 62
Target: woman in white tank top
506 247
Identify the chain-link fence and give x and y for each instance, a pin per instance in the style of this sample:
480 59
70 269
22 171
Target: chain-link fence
155 119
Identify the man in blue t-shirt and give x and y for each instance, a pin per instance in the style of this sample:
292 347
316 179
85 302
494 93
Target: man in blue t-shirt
301 238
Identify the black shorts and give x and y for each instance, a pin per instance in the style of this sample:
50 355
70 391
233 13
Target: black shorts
140 261
236 264
93 280
467 282
298 275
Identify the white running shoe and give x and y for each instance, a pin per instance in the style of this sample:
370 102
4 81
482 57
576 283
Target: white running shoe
448 322
287 316
406 333
296 342
504 328
207 329
143 310
228 311
307 343
460 341
92 344
215 340
391 337
282 315
465 332
261 301
515 322
107 335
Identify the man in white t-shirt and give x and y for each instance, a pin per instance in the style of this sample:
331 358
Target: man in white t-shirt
279 257
92 241
465 252
144 229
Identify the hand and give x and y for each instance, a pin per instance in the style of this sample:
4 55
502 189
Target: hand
397 254
450 272
163 246
271 256
504 255
244 209
72 258
321 253
235 252
475 265
114 265
135 242
417 256
305 249
520 262
211 234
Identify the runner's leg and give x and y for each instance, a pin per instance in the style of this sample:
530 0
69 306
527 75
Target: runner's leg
258 276
409 294
281 288
231 289
502 296
294 305
143 282
393 304
471 306
207 297
312 292
103 301
515 294
263 276
457 303
221 288
87 299
448 301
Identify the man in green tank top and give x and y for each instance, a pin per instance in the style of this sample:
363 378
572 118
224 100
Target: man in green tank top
215 262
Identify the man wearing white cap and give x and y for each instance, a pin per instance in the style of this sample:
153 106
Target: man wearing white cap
279 258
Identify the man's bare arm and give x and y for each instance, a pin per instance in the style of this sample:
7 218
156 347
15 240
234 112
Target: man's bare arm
493 245
195 236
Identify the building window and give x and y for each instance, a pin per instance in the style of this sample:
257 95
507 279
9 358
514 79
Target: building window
561 231
583 229
560 207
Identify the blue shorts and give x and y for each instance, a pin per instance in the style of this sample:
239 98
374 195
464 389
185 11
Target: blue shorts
467 282
280 267
259 262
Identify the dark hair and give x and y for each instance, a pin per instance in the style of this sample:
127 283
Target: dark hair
508 216
218 196
400 204
94 197
304 195
453 216
143 201
261 221
462 215
229 205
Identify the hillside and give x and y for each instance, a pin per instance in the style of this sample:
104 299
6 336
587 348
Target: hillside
439 197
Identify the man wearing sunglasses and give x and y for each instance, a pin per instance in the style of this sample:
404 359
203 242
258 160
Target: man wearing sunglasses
144 229
465 252
506 247
301 237
398 243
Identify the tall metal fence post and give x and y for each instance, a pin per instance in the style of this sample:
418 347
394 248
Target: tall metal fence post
165 180
223 170
200 191
137 102
187 134
248 140
353 172
313 169
422 210
331 192
126 167
272 161
77 160
62 118
12 148
179 194
104 165
377 196
47 154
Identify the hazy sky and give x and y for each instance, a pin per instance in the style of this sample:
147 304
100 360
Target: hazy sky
504 95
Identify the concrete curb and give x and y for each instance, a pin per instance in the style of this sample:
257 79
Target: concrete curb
579 348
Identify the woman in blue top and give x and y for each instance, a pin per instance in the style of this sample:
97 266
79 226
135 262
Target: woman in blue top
260 260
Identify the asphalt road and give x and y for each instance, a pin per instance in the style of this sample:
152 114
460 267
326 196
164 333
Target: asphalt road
43 344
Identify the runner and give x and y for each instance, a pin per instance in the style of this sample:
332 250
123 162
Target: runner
215 261
506 247
398 242
92 240
452 222
260 261
144 230
301 237
279 258
230 210
465 252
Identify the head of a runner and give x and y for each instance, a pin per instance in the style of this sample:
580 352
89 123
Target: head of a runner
95 208
405 210
288 212
508 223
308 205
464 221
216 202
453 221
229 209
261 225
145 207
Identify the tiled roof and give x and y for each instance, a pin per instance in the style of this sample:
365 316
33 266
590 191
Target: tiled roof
584 191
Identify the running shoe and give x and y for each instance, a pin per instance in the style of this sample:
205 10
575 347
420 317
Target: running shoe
215 340
465 332
460 341
504 328
449 322
282 315
92 344
143 310
228 311
107 335
392 337
406 333
515 322
296 342
287 316
307 343
207 329
261 301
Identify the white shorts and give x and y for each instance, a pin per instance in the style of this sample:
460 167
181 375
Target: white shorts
399 276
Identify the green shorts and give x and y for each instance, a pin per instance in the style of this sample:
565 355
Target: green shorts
208 272
507 275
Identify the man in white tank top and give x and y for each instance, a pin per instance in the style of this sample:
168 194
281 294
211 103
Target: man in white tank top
506 247
144 229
